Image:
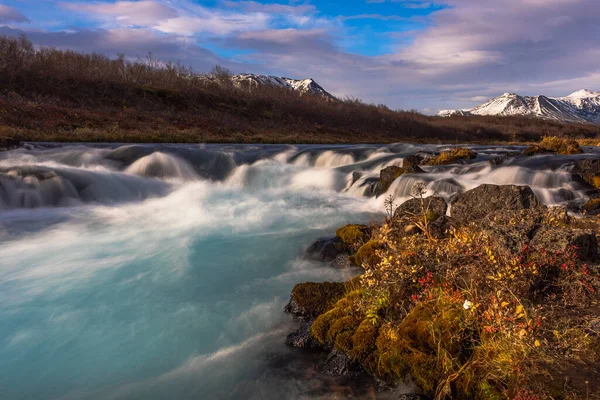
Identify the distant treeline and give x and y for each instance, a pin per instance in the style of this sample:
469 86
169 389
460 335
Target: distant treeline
59 95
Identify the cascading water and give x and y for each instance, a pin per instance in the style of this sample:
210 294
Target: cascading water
150 272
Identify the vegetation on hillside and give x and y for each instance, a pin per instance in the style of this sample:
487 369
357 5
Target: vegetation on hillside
55 95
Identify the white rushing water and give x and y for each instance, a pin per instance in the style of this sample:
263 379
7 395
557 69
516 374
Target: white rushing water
151 272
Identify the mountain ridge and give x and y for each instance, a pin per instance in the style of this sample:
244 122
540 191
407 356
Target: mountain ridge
581 106
302 86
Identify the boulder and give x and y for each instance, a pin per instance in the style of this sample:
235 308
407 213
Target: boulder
592 206
589 171
486 200
8 143
311 299
558 240
338 364
511 231
497 161
412 161
325 249
342 262
436 205
303 338
389 174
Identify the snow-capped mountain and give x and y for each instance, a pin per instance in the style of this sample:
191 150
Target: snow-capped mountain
581 106
250 81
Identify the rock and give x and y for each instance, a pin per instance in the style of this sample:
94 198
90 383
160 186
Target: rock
325 249
592 206
311 299
338 363
558 240
511 231
353 236
414 207
412 161
303 338
487 200
8 143
589 171
389 174
356 175
452 156
497 161
535 149
342 262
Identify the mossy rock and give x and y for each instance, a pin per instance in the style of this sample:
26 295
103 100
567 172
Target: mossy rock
452 156
342 316
367 254
554 144
561 145
589 171
535 149
592 206
353 235
311 299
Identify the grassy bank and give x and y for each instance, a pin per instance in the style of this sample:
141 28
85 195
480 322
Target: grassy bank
54 95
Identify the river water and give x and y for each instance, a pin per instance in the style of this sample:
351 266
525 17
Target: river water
152 272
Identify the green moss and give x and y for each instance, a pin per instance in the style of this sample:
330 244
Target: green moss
316 298
343 316
432 216
364 339
352 235
367 254
427 345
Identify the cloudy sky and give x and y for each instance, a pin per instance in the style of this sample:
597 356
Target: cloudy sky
409 54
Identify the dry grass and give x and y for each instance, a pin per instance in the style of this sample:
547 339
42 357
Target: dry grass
56 95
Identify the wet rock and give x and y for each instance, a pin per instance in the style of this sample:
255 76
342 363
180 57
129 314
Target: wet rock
497 161
8 143
303 338
589 171
486 200
388 175
342 261
437 205
535 149
558 240
325 249
338 363
592 206
412 161
356 175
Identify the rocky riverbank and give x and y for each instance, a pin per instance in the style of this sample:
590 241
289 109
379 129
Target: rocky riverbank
491 295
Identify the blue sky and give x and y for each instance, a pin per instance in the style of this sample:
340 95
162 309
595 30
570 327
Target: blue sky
410 54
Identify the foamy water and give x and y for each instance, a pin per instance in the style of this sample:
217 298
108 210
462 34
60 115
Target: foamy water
147 272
